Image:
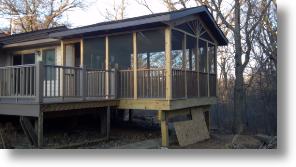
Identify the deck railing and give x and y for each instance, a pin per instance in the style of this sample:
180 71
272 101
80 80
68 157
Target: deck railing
151 83
42 81
192 86
203 84
97 83
125 79
61 81
178 83
18 81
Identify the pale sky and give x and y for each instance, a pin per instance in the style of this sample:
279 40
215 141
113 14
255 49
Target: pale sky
92 15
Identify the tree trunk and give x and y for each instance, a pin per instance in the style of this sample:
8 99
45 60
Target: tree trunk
238 100
239 69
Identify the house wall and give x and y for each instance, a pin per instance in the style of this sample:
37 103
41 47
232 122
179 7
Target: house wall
2 59
6 59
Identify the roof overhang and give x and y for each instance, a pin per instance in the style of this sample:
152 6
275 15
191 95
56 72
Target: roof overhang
30 43
149 20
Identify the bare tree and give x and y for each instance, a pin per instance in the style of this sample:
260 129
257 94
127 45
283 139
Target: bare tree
144 3
38 14
117 11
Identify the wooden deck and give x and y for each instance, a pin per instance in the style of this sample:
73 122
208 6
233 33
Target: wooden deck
34 109
162 104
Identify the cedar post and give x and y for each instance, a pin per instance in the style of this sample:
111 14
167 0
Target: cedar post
162 116
168 59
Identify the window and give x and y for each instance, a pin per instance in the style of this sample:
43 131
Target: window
22 59
202 51
190 52
94 53
17 60
120 51
151 49
29 58
211 53
177 49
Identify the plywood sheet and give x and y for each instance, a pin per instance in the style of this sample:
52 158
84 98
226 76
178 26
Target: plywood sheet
192 131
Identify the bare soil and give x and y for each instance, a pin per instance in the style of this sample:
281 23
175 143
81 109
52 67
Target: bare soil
123 133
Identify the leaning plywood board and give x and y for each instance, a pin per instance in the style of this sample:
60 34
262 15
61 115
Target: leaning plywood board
189 132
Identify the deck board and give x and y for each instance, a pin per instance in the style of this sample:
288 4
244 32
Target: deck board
60 106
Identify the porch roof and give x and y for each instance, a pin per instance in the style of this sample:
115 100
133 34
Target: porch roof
143 22
30 36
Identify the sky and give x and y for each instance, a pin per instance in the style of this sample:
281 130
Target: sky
79 18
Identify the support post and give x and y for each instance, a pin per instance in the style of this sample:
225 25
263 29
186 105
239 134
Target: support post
184 64
40 71
168 59
135 66
162 115
197 66
40 130
63 63
105 122
81 52
83 82
208 72
107 67
208 119
130 115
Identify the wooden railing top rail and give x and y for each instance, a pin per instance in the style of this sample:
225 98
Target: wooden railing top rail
91 69
59 66
155 69
18 66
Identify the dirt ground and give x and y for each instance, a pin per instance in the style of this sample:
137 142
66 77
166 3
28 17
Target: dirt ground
219 141
126 133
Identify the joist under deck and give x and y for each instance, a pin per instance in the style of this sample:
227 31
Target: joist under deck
162 104
34 109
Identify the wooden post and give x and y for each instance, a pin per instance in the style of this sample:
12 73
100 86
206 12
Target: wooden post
63 63
40 130
168 59
208 119
216 69
190 59
162 115
135 66
130 115
107 67
81 52
105 122
40 71
197 67
83 88
184 64
208 72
